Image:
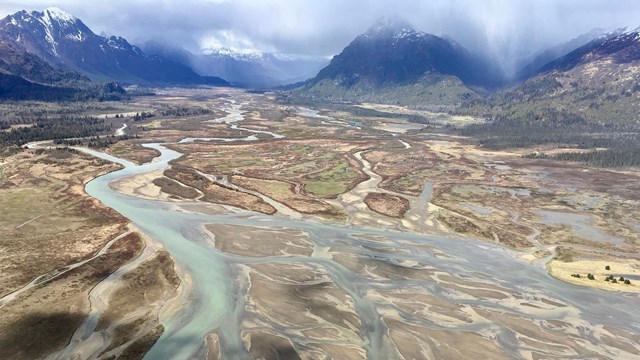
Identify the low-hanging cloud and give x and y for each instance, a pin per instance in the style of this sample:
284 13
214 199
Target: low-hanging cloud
506 30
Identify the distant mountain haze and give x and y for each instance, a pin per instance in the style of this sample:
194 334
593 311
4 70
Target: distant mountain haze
531 65
255 70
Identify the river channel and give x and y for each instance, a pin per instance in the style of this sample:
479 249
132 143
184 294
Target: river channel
216 300
217 293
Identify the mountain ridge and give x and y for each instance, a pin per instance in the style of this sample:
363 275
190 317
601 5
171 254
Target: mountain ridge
65 41
624 46
19 62
595 84
392 51
533 64
402 65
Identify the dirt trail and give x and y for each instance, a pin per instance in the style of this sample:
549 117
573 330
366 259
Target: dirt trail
120 131
406 144
28 221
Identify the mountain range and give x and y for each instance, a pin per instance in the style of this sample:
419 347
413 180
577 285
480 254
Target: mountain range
69 53
597 83
591 77
65 42
389 63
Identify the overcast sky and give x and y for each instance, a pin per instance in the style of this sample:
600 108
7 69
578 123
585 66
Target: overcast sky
506 29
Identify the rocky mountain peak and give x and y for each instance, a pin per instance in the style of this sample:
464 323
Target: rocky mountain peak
60 16
391 27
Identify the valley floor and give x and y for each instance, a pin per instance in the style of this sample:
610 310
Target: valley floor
340 235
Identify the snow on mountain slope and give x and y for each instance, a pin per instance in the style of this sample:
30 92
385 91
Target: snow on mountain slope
65 41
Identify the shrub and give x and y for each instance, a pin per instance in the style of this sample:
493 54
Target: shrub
607 267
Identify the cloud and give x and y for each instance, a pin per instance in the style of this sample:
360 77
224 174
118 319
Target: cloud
507 30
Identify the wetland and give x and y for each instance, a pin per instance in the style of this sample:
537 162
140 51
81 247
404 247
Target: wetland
257 229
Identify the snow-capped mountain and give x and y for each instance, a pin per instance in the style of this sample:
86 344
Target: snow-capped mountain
250 69
599 82
392 52
394 28
237 55
530 66
620 47
64 40
257 69
43 32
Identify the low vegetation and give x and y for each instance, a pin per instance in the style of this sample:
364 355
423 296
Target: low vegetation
335 180
133 151
217 193
172 187
387 204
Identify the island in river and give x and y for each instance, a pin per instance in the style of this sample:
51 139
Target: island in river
249 228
